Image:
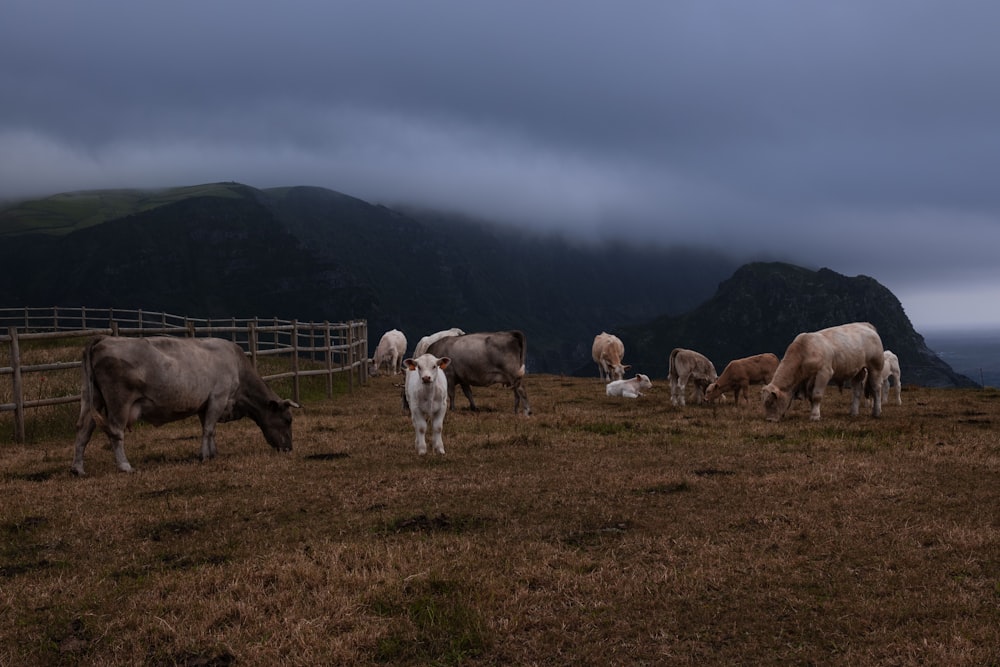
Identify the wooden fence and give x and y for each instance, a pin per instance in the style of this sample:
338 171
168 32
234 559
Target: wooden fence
329 348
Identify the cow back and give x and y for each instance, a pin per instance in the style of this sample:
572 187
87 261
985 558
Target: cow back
483 358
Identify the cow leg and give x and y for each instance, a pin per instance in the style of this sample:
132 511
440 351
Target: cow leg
521 396
467 390
681 392
83 434
436 427
815 398
420 427
207 441
209 418
876 389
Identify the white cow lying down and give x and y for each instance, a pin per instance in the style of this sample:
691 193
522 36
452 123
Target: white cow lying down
629 388
427 395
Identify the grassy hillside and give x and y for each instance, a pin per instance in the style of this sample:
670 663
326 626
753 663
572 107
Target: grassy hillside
67 212
308 253
316 254
596 532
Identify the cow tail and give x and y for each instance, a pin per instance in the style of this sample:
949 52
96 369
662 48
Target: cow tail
524 352
673 356
89 390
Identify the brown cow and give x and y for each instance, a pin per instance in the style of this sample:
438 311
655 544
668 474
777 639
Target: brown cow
162 379
608 351
846 353
482 359
739 374
689 366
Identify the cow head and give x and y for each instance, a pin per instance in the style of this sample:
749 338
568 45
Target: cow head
776 402
276 423
427 365
618 371
713 392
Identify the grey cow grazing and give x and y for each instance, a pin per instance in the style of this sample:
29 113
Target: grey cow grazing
483 359
162 379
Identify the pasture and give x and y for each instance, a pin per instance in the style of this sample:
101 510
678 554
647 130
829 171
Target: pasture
598 531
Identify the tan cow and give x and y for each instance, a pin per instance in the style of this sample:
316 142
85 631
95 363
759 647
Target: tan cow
608 352
689 366
739 374
849 352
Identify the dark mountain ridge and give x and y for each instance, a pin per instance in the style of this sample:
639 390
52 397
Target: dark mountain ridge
764 305
222 250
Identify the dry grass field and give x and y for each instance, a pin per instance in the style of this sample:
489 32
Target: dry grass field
598 531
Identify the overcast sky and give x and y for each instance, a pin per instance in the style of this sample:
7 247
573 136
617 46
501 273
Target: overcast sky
860 135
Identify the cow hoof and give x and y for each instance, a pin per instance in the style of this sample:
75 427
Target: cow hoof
77 471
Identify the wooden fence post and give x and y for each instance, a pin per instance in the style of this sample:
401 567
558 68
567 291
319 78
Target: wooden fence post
15 363
328 355
252 341
295 361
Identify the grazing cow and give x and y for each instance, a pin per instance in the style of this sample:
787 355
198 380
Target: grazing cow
427 396
608 351
890 369
426 341
629 388
689 366
849 352
739 374
482 359
163 379
390 351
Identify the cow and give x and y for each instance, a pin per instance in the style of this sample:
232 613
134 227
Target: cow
629 388
427 396
739 374
162 379
608 351
890 370
849 352
482 359
689 366
426 341
389 352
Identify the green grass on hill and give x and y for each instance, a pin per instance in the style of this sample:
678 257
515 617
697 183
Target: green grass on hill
69 211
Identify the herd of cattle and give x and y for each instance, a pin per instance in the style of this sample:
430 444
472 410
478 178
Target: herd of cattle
163 379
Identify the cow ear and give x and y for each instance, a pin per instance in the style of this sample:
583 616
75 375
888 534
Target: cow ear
627 366
443 362
410 364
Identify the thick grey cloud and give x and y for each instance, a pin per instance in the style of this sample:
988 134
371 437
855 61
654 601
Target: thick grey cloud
863 136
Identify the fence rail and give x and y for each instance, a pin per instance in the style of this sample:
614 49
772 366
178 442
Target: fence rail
335 348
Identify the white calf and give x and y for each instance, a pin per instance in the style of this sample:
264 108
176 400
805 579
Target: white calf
891 370
629 388
427 395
